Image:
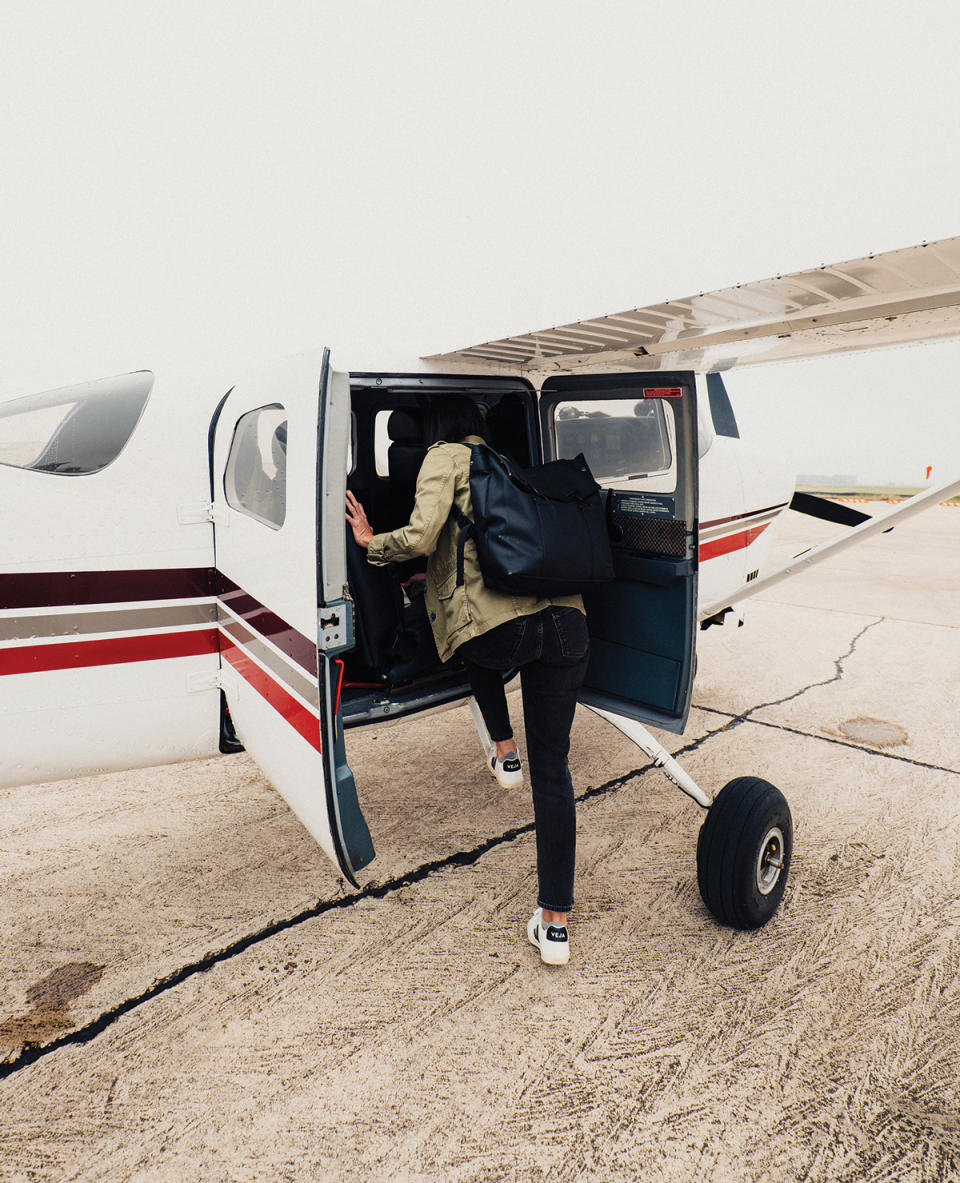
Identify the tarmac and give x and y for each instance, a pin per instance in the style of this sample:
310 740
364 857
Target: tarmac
189 991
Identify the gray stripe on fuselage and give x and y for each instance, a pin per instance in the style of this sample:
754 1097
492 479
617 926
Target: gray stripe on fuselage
115 620
287 674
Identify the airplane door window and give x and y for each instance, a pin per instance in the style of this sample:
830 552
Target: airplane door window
255 479
626 441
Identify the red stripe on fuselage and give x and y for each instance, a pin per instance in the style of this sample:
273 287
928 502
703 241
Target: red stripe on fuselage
69 655
295 713
730 542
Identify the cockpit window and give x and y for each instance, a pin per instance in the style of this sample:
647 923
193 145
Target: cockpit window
76 430
625 441
255 480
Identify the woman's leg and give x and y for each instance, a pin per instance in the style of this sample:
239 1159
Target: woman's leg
487 687
486 659
551 684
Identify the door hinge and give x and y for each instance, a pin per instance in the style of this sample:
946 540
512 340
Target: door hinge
335 627
194 513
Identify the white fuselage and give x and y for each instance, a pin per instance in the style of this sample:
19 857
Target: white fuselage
108 629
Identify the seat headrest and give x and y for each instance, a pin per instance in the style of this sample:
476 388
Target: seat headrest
405 427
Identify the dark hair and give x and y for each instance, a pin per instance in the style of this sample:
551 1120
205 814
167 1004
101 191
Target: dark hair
453 417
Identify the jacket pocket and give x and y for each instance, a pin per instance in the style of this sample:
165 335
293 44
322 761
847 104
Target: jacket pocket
446 585
452 605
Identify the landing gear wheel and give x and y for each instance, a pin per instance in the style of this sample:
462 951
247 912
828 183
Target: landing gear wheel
743 852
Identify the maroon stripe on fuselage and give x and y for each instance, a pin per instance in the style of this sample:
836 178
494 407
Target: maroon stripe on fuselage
50 589
737 517
276 630
53 589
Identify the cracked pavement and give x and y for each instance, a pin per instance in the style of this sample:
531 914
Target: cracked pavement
190 992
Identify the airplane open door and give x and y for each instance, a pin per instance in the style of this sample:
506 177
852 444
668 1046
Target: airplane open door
639 435
279 461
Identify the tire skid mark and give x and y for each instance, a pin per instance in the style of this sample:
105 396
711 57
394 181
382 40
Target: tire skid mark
30 1053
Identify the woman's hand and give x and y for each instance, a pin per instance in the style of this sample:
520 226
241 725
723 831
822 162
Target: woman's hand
415 585
355 515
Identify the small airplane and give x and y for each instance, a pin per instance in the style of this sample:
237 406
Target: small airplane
177 580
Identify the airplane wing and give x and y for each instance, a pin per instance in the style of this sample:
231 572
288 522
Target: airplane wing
816 554
886 299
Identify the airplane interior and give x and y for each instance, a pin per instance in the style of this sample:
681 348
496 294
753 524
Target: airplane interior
395 657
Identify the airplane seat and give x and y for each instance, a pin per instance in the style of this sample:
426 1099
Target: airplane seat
575 436
405 454
414 650
394 640
507 431
378 603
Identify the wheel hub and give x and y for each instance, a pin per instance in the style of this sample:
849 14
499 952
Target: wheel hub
770 860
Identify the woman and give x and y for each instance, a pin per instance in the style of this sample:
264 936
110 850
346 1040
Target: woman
492 632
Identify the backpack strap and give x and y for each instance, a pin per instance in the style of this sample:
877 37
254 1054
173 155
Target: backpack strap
467 530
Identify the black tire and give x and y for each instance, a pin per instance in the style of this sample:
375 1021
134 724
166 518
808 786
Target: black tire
748 831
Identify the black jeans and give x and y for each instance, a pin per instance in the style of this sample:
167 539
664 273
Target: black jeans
551 651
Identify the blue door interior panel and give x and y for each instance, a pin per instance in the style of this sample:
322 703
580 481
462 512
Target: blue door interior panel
619 670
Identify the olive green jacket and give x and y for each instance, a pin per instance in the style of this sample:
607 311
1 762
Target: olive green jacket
456 613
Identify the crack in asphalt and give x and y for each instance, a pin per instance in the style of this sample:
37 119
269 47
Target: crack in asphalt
844 743
744 716
30 1053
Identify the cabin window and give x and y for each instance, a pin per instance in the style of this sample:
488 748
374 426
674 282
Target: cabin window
626 441
76 430
352 444
255 480
381 443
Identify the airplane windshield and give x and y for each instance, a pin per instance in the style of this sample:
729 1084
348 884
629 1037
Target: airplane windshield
76 430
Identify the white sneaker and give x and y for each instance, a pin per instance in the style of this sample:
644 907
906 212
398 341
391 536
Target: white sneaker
552 940
507 769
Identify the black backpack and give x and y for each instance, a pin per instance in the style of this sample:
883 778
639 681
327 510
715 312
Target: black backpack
539 531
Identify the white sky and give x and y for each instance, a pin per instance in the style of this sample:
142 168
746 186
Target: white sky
196 186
